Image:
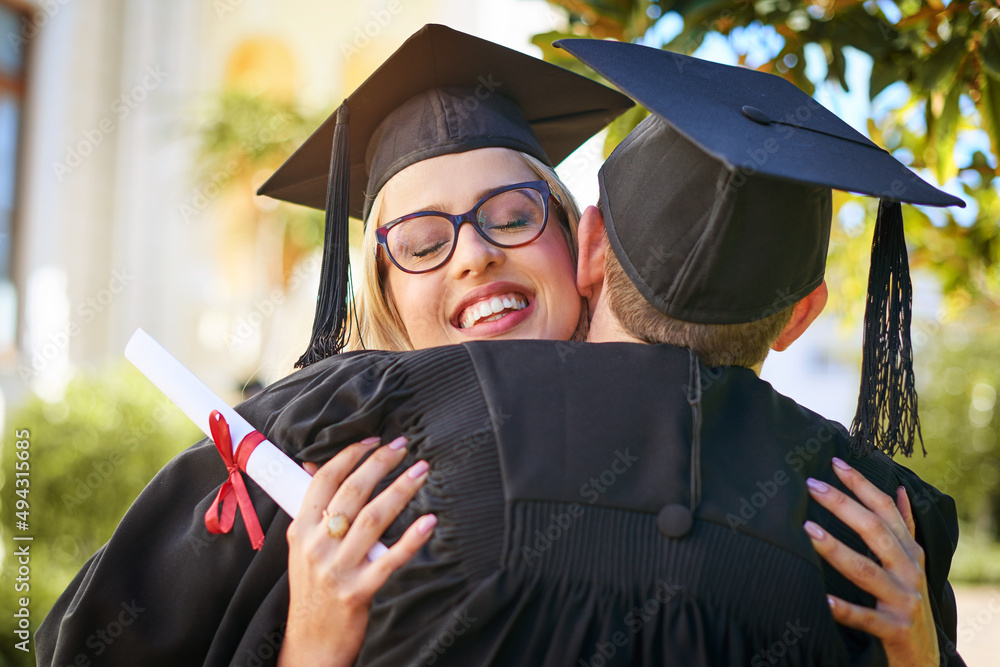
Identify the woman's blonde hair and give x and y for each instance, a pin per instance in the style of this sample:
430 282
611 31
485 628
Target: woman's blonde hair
377 323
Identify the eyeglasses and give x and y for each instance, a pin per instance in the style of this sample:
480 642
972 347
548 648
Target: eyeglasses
508 217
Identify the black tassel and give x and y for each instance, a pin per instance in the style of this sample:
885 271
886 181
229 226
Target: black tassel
887 405
330 325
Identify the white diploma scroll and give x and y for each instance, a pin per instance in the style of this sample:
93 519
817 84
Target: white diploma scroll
274 471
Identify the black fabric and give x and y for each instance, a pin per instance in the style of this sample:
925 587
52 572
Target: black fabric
720 108
718 204
704 249
547 486
440 121
557 111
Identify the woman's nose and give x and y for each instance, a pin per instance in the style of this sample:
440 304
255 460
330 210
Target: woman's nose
473 254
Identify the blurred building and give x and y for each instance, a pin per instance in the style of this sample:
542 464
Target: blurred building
107 222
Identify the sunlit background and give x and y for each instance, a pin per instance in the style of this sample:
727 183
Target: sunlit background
133 134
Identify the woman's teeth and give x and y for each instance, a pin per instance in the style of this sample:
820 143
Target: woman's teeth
491 310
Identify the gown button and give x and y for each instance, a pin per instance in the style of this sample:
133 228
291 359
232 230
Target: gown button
756 115
674 521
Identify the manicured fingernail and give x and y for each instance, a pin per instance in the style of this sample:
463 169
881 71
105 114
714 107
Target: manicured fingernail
831 601
373 440
398 443
418 469
817 486
425 523
814 531
841 464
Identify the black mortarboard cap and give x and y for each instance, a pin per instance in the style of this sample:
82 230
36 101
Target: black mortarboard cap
441 92
719 209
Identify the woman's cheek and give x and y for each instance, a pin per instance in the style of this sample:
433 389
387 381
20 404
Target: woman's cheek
563 305
424 315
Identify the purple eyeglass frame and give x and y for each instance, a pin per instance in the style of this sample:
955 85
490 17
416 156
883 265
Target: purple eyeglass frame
541 187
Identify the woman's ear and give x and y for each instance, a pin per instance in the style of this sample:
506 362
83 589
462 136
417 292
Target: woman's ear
592 242
805 313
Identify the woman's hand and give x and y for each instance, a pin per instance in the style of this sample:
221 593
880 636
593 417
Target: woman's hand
902 617
330 578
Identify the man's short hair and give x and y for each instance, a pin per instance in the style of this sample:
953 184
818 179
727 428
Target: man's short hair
744 344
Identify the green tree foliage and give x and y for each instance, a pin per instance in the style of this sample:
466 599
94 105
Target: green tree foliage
244 138
960 420
89 457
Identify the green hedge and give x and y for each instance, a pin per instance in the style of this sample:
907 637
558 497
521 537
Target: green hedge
90 456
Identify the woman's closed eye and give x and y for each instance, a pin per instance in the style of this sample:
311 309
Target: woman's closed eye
428 250
514 224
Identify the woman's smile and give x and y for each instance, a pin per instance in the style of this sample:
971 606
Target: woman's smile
491 304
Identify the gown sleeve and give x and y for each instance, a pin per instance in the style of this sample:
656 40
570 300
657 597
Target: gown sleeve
937 533
162 590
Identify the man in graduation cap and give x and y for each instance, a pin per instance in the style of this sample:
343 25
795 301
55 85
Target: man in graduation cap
592 503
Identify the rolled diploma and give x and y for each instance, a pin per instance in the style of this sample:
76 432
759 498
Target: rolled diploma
274 471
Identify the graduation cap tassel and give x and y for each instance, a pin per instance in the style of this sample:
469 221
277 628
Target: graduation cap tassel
887 405
330 324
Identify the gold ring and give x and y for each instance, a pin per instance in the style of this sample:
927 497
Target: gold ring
337 524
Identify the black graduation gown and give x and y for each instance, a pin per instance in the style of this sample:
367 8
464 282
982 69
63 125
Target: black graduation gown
560 474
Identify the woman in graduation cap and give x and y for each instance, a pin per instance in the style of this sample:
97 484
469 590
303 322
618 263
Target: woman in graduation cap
449 123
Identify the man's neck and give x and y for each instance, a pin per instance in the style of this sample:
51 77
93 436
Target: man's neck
605 328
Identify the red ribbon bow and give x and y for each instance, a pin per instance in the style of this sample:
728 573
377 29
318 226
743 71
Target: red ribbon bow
235 484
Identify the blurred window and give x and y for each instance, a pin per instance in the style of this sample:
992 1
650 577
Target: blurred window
16 30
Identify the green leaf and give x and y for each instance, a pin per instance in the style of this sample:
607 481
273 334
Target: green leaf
560 57
942 140
798 72
838 66
989 52
989 108
884 74
621 126
938 70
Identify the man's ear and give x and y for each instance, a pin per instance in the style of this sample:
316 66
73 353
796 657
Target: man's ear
592 243
804 313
